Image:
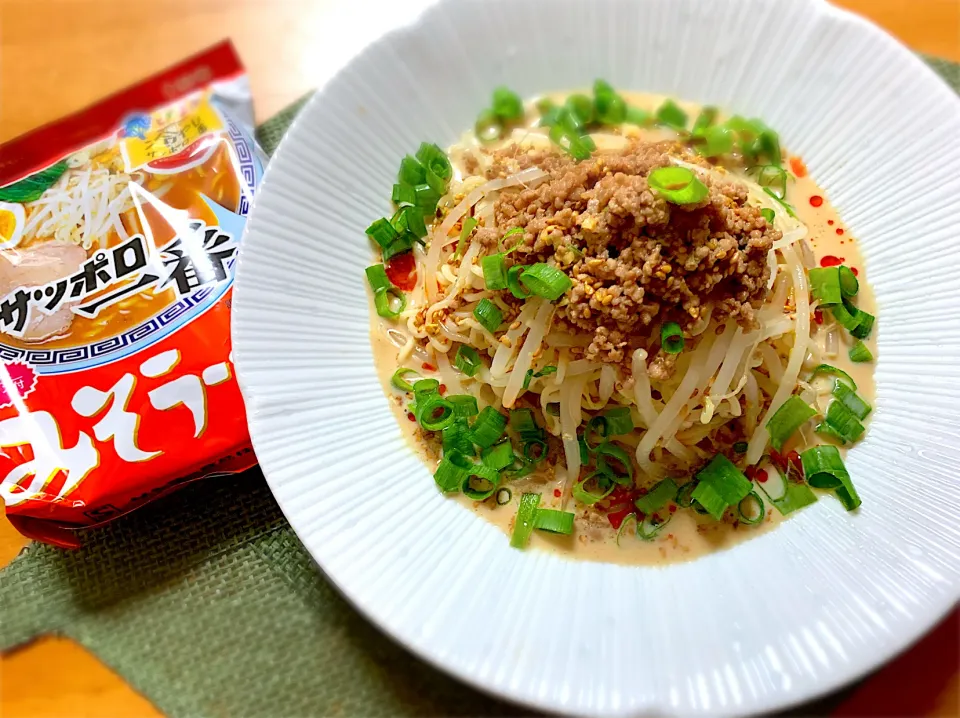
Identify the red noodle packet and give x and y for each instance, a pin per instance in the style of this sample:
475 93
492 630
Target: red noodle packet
119 231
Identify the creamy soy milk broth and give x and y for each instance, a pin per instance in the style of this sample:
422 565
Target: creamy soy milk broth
688 535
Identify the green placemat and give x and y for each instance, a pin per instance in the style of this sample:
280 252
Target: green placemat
207 604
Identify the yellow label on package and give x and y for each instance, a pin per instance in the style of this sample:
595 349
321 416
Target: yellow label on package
171 131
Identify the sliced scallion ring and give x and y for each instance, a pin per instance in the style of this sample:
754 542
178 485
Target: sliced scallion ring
743 508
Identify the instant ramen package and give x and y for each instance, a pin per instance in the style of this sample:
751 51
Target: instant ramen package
119 232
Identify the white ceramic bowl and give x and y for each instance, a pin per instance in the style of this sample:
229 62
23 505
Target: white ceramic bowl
773 621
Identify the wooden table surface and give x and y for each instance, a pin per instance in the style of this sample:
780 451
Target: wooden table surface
58 55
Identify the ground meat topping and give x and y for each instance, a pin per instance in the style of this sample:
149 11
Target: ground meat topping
634 258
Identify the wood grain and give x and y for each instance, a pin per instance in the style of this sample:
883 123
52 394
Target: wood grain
57 56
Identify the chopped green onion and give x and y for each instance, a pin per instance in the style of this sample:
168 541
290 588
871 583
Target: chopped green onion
650 527
761 510
467 360
403 195
494 271
499 456
424 387
382 232
684 497
842 422
437 184
581 107
840 373
435 413
523 524
597 425
677 185
469 224
717 140
611 109
383 304
545 281
509 233
721 484
636 116
847 316
507 104
427 197
671 338
769 215
377 277
550 114
607 451
865 325
488 427
796 495
850 399
530 375
782 202
860 353
504 496
456 437
704 120
849 284
670 114
488 315
534 449
513 282
791 415
604 487
464 405
522 421
825 285
411 171
657 497
487 128
824 469
435 160
740 447
399 382
415 221
772 176
618 421
453 468
556 522
480 483
403 243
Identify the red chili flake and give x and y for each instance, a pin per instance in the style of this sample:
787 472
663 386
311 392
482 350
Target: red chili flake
840 230
402 271
442 389
830 222
656 519
429 367
761 475
856 272
816 200
642 491
616 518
736 525
410 416
750 472
818 316
797 167
830 261
557 493
673 508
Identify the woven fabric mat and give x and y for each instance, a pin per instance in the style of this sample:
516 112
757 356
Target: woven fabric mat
207 604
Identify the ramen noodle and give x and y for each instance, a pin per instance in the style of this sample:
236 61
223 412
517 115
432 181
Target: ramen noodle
119 231
623 327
